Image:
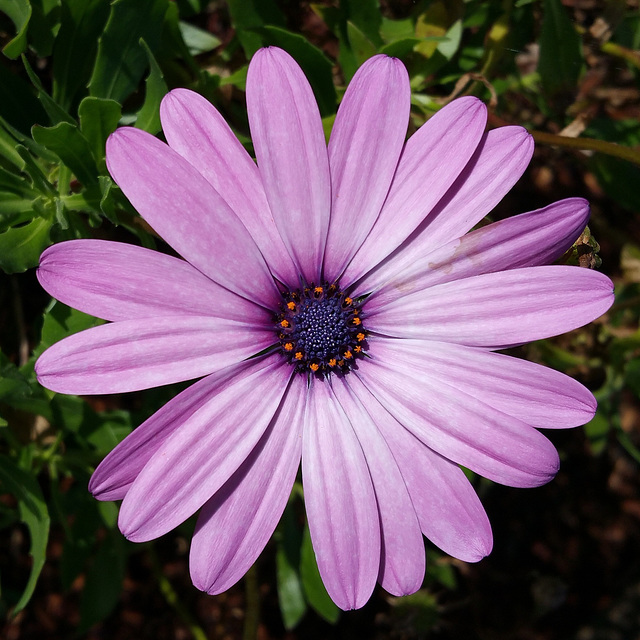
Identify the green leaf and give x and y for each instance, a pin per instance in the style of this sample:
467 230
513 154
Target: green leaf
55 112
44 25
365 16
12 382
20 247
393 30
121 61
198 40
290 595
19 11
34 514
560 61
74 52
68 143
103 582
362 47
316 66
312 584
61 321
155 89
99 118
250 15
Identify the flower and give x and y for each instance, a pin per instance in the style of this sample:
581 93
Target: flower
340 313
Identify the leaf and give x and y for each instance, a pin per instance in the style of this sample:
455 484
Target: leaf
44 25
560 60
33 512
316 66
19 105
12 382
61 321
19 11
121 61
290 595
198 40
20 247
155 89
68 143
249 15
365 16
312 584
74 51
103 582
362 47
99 118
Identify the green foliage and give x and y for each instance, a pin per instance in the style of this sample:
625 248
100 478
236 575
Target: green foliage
72 71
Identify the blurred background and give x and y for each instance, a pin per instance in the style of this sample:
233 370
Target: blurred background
566 559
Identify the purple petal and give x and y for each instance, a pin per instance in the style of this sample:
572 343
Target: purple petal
116 473
188 213
458 426
526 240
537 395
147 352
117 281
236 523
196 130
448 509
432 159
340 501
495 310
204 452
403 559
292 155
365 145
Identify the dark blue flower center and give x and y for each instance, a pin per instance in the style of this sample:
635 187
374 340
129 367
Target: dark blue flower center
320 330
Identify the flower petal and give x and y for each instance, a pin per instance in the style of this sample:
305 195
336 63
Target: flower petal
188 213
199 457
496 310
448 509
537 395
365 145
432 159
403 558
340 501
194 128
118 281
457 426
237 522
116 473
145 353
292 155
529 239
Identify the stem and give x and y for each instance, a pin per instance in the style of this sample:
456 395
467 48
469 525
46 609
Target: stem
173 600
252 614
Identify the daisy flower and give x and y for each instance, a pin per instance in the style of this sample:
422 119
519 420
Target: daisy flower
342 317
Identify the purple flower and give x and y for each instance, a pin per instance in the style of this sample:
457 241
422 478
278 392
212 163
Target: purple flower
340 312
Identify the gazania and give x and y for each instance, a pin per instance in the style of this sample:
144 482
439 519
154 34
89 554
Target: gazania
341 313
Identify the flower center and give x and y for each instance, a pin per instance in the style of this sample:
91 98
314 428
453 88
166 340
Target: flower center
320 330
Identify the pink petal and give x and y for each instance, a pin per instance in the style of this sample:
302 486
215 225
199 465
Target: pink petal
118 281
537 395
432 159
236 523
204 452
403 559
448 509
196 130
495 310
365 145
529 239
116 473
340 501
147 352
292 156
459 427
188 213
